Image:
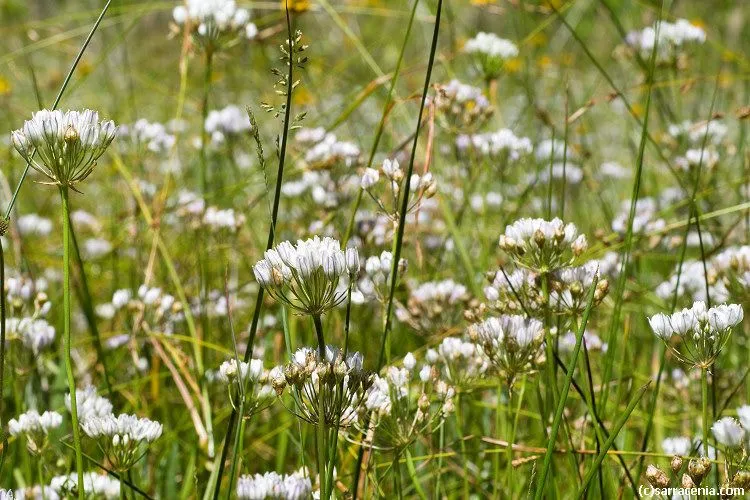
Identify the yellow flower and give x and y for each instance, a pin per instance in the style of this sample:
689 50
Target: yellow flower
296 5
5 87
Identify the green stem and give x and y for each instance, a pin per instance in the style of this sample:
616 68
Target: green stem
564 393
413 475
704 401
2 332
237 448
204 115
66 335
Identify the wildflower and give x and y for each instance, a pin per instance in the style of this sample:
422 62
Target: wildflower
369 178
678 446
227 123
512 344
461 363
341 383
434 305
89 404
569 285
728 432
670 39
330 151
375 280
34 225
123 438
541 245
67 144
154 137
502 146
403 411
703 332
215 21
271 485
35 427
100 486
463 107
306 276
491 51
251 382
743 414
35 334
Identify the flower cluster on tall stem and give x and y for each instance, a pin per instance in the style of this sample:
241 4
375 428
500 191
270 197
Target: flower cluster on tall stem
68 144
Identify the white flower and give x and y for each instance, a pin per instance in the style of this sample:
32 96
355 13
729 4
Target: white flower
491 45
680 446
32 422
369 178
213 18
89 404
728 432
67 144
271 485
95 485
306 276
33 224
229 121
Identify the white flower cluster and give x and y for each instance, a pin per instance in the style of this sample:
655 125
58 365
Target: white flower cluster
435 305
462 106
306 276
214 19
553 150
729 433
217 219
338 382
273 486
460 362
376 277
35 334
502 145
697 157
257 384
592 341
402 409
714 132
511 343
703 331
491 45
34 225
35 427
677 446
123 438
89 403
542 245
491 51
228 122
646 218
100 486
67 143
672 37
153 136
32 422
330 151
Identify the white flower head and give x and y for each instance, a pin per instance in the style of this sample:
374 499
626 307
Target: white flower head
67 144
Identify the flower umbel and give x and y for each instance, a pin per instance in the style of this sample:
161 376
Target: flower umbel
703 332
67 143
306 276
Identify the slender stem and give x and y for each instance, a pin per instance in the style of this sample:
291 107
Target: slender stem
237 448
66 334
319 333
204 115
564 394
511 438
2 331
269 244
704 401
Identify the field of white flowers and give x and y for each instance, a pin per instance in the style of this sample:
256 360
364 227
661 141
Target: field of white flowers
359 249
